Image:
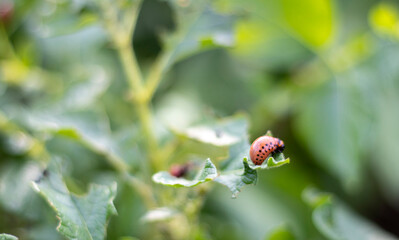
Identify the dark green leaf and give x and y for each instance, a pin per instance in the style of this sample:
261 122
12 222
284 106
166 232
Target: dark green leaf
81 217
334 138
237 179
337 222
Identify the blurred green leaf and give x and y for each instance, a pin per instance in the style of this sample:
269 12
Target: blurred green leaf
82 217
210 135
384 19
236 126
312 20
15 193
200 28
281 233
89 127
336 221
331 123
207 173
385 136
83 94
5 236
237 179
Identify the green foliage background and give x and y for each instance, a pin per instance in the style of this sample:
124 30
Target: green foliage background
98 99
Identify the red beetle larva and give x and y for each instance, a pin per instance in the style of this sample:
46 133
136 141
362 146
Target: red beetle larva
263 146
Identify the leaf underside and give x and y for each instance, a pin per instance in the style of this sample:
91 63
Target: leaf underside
4 236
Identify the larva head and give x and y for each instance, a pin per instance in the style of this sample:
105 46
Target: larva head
280 145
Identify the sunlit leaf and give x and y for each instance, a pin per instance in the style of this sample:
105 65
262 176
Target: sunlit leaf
281 233
312 20
81 217
384 20
4 236
211 136
207 173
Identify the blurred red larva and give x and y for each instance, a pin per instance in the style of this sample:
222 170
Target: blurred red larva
179 170
263 146
6 11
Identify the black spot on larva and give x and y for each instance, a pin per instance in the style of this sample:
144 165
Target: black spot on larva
266 145
271 143
257 155
260 150
263 147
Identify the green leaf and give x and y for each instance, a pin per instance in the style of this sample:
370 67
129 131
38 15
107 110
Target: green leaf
235 126
200 28
276 160
207 173
237 179
81 217
84 93
89 127
15 193
384 19
331 123
237 171
312 20
336 221
281 233
5 236
210 135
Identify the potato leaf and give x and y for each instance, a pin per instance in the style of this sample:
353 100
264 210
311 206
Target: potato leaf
237 179
236 171
5 236
207 173
274 161
81 217
336 221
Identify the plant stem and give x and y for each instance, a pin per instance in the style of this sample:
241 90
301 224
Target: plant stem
121 32
131 68
157 72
